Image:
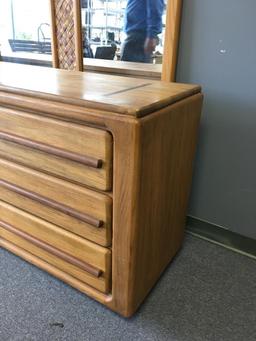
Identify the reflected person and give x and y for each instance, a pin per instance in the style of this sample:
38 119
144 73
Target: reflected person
143 23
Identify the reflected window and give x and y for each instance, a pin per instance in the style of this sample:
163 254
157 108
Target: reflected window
118 29
25 30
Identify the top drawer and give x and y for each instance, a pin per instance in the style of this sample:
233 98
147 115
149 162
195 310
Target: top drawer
78 153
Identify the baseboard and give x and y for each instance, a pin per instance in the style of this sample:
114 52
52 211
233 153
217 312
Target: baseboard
221 236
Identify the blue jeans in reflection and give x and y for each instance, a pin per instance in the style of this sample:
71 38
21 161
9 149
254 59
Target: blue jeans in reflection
133 48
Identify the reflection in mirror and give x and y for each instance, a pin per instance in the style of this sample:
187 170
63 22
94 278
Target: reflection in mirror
25 31
127 30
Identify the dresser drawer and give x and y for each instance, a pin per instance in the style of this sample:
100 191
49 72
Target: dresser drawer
75 208
78 257
70 151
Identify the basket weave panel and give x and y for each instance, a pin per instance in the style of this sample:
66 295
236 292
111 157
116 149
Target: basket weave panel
65 31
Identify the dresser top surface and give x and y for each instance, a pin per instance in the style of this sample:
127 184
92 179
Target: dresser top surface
124 95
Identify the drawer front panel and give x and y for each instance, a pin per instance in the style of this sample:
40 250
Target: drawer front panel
100 235
78 153
57 201
82 259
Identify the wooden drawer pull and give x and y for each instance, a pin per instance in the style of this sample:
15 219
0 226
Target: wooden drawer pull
53 204
56 252
86 160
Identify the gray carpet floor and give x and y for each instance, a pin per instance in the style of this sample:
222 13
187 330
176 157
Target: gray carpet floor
208 293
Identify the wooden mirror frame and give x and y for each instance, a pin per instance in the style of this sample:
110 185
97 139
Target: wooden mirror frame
172 30
172 33
67 50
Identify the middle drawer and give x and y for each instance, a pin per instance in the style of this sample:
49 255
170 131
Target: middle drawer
77 209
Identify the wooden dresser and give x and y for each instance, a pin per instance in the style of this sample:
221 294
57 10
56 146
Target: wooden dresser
95 173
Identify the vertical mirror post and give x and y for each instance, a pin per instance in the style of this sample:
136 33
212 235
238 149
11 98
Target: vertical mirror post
173 21
66 34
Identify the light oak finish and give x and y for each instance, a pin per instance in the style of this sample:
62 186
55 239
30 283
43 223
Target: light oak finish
122 68
163 195
76 271
78 34
154 131
123 95
53 270
54 43
68 242
52 204
79 153
100 235
85 160
172 32
96 259
92 209
66 39
51 249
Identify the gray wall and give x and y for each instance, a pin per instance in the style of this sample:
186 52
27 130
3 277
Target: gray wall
218 51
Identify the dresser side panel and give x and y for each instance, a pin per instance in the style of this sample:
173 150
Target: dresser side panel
167 150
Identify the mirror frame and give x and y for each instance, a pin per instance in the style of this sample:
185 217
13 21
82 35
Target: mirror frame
173 22
76 38
172 34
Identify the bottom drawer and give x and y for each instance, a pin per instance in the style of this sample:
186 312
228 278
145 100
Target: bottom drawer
77 257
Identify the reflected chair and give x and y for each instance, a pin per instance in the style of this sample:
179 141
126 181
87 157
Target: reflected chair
106 52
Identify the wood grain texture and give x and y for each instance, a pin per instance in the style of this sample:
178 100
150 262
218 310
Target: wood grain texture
66 34
78 35
55 267
122 68
50 249
71 137
63 151
151 186
110 67
79 199
139 97
101 236
166 168
52 204
172 31
78 247
61 167
153 152
55 58
59 152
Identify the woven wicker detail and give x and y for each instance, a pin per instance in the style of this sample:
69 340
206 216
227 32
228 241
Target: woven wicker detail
65 31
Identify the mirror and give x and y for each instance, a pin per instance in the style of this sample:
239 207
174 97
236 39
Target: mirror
25 30
126 30
25 35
